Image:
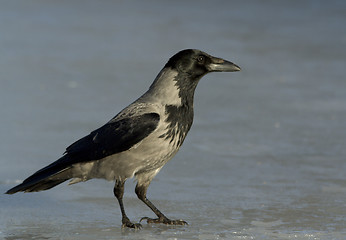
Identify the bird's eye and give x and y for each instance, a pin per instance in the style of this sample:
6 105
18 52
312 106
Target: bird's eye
200 59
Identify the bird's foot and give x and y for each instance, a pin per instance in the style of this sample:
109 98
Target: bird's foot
164 220
129 224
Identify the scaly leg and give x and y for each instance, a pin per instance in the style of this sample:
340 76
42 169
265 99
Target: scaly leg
119 193
141 192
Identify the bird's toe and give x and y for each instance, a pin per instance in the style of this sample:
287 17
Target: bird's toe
164 221
129 224
132 225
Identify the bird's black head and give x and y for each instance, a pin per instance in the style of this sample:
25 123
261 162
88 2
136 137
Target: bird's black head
196 63
177 81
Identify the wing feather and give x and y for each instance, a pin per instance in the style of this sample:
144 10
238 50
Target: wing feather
113 137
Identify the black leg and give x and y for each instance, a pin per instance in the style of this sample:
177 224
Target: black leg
119 193
141 192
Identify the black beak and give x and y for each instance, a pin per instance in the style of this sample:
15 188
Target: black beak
221 65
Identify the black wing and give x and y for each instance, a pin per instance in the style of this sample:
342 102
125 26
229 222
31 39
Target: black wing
113 137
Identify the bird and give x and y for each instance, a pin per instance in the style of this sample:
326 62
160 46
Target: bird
139 140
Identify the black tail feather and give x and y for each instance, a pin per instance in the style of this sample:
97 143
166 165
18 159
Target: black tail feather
45 178
40 186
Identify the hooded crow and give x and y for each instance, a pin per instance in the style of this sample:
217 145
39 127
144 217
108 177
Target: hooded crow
140 139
